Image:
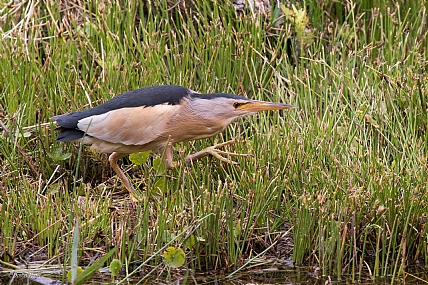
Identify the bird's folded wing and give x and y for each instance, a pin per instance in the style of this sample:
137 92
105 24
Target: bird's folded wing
130 126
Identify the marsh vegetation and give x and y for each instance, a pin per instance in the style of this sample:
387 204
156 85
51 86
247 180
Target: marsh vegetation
340 183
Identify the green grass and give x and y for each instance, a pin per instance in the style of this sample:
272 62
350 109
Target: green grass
347 171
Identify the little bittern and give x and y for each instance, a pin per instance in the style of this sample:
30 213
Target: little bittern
155 118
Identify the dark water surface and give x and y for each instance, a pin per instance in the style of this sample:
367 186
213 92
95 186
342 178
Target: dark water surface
266 276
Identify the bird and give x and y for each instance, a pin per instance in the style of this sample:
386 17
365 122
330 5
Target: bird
155 118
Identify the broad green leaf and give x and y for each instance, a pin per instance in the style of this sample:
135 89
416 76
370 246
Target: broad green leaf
139 158
160 183
58 155
190 242
174 257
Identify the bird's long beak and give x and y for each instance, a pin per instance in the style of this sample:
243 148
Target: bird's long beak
257 106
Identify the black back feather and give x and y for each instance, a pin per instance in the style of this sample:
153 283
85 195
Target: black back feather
216 95
149 96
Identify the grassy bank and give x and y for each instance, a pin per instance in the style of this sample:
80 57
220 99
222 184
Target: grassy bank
344 176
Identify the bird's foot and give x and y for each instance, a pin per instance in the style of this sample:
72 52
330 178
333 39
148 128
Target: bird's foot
133 195
214 151
134 198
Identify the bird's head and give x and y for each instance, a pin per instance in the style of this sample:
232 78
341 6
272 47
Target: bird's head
225 108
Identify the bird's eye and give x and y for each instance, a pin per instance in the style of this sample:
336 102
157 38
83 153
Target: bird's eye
237 105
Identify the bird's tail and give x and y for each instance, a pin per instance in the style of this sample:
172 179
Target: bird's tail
66 134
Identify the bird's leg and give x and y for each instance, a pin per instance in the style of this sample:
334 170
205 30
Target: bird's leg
168 157
214 151
113 158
